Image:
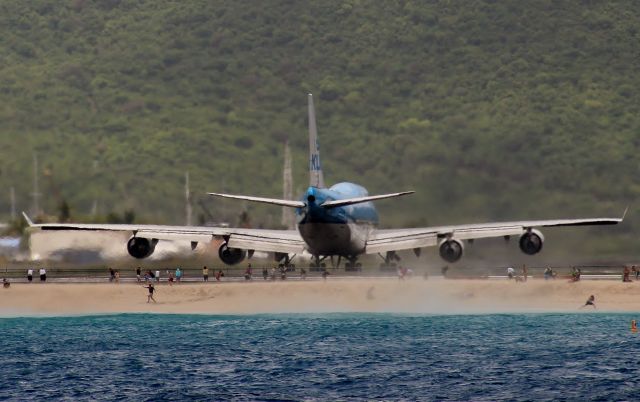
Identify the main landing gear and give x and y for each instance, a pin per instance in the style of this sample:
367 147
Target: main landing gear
285 261
316 263
352 265
390 260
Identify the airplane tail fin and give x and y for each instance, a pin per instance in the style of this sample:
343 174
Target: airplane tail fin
316 178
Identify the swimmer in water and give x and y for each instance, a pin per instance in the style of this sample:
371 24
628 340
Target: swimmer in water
151 290
591 301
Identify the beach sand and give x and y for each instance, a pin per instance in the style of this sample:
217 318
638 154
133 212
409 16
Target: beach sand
344 295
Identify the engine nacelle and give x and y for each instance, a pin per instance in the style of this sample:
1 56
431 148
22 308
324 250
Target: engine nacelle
451 250
231 256
140 247
531 242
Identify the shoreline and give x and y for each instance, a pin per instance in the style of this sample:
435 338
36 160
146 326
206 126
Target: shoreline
379 295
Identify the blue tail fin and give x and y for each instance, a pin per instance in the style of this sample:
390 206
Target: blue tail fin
316 178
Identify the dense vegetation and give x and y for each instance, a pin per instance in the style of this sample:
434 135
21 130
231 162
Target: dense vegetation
490 110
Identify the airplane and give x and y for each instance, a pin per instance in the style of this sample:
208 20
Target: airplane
338 221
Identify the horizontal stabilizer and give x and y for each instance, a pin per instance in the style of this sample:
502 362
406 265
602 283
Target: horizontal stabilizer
358 200
273 201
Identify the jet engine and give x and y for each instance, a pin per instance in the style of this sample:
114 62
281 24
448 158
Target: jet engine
451 250
231 256
140 247
531 242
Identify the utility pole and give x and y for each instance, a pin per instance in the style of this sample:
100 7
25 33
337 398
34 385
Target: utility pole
13 203
94 206
187 195
288 219
36 194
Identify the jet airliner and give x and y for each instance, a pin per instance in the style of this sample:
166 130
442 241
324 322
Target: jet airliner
338 221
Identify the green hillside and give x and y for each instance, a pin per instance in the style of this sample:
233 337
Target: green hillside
489 110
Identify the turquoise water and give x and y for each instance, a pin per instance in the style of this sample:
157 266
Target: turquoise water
320 357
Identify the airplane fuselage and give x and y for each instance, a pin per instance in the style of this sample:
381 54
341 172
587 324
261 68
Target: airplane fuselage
341 230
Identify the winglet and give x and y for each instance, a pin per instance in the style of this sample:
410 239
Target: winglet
26 218
624 213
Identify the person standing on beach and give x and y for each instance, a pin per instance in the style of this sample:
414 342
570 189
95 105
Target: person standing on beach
30 275
219 275
151 290
205 273
511 272
43 275
248 273
525 272
117 276
265 273
178 274
112 275
138 271
158 275
325 273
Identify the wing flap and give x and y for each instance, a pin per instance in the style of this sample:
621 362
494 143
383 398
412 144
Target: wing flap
180 236
400 241
264 243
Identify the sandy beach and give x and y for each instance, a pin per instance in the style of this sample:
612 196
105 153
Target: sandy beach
356 295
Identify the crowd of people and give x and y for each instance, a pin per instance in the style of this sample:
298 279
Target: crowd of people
274 273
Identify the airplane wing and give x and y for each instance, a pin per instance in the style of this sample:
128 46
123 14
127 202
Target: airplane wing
283 241
403 239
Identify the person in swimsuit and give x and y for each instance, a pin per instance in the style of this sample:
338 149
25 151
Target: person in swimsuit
591 301
151 290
